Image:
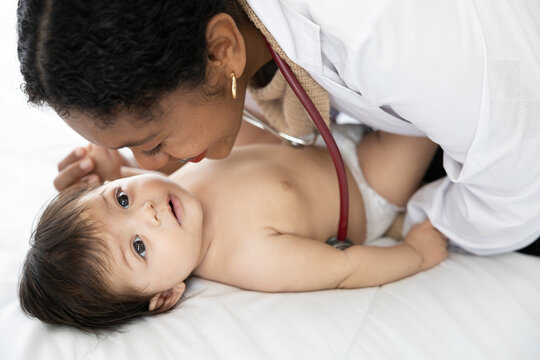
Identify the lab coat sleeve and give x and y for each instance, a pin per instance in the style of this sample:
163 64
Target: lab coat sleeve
478 213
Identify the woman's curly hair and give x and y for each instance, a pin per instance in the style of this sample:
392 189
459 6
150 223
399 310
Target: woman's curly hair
97 56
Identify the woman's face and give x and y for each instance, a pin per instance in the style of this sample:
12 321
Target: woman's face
185 125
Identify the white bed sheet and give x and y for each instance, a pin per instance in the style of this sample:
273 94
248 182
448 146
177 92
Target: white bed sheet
465 308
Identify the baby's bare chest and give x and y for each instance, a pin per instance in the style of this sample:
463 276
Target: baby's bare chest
280 198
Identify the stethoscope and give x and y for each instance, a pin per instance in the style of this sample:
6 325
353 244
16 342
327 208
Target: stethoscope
340 241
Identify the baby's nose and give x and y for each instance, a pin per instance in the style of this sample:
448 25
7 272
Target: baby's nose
150 213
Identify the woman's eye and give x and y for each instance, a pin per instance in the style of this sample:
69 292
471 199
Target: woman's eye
122 199
153 152
138 245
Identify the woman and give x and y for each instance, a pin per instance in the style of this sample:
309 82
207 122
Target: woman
159 78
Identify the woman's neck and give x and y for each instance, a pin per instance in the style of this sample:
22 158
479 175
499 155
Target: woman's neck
257 54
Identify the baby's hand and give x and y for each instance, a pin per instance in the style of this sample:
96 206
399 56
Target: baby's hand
429 242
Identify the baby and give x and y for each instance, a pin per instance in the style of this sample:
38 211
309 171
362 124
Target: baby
257 220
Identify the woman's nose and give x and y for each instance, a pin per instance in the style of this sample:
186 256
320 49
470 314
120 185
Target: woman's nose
151 162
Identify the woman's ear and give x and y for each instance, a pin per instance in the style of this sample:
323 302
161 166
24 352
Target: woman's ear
226 46
164 300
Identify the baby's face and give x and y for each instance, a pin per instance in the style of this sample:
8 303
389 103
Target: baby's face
153 232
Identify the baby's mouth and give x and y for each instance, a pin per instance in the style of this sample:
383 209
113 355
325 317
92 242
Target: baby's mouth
175 205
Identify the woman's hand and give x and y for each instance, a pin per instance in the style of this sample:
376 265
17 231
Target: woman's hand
108 163
91 164
428 242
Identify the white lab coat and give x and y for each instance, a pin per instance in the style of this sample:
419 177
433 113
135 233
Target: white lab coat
466 73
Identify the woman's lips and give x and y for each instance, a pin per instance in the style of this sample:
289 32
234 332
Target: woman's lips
198 158
176 208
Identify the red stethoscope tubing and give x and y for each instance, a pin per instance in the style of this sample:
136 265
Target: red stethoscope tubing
317 119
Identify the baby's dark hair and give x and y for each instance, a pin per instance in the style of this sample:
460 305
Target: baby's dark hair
63 277
103 55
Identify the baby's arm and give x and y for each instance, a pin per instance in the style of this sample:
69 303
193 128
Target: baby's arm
285 262
394 165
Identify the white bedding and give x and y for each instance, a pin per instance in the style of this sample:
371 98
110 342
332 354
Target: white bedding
465 308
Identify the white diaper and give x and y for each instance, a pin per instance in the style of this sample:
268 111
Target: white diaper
379 212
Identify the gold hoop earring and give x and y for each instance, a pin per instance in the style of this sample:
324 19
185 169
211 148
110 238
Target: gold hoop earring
233 87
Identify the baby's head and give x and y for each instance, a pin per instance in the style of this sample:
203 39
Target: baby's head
103 255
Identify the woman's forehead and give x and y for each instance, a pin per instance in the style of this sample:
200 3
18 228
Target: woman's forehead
123 132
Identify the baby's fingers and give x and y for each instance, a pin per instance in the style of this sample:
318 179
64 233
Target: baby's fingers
441 251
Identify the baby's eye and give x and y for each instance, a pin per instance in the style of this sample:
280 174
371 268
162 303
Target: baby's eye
122 198
138 245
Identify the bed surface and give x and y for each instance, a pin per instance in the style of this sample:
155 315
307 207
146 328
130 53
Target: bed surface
465 308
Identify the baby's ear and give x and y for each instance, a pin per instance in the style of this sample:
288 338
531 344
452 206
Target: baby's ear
164 300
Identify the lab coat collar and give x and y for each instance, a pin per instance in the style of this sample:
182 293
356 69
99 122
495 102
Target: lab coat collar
304 48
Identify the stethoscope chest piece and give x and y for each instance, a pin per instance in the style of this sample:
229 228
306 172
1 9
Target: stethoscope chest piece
339 244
